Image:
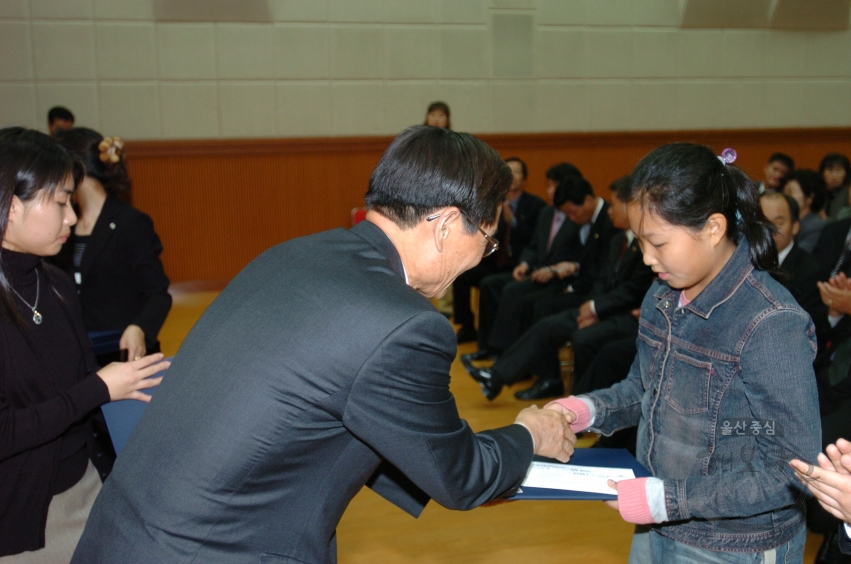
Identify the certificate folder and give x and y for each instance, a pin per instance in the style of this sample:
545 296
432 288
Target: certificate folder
599 457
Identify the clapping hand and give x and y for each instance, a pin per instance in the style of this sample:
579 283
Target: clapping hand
830 482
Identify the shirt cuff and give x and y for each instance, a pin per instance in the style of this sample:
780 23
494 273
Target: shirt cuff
593 307
642 501
582 407
848 530
530 434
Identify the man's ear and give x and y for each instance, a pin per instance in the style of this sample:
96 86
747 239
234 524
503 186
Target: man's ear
443 226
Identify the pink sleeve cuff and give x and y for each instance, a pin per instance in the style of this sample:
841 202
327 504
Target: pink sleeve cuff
580 408
632 501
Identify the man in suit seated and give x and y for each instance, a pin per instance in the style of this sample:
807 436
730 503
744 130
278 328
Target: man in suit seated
516 226
606 316
321 368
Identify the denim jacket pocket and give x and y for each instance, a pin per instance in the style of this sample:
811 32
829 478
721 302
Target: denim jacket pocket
649 352
687 390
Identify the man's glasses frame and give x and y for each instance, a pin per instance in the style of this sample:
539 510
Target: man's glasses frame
492 245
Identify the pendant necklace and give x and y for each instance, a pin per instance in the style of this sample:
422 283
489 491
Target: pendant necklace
36 314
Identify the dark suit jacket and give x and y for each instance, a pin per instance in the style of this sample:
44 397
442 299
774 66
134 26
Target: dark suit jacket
844 541
316 371
624 281
830 245
123 281
565 244
803 272
529 206
594 253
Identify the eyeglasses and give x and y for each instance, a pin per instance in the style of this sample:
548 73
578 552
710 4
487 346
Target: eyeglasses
491 245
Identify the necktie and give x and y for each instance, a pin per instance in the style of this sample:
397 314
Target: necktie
558 219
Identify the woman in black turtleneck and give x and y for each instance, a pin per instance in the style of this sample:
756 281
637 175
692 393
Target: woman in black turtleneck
50 387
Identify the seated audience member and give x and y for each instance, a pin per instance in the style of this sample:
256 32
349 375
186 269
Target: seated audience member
516 226
830 483
554 240
59 118
113 253
833 249
604 317
807 188
591 242
780 165
437 115
803 271
836 171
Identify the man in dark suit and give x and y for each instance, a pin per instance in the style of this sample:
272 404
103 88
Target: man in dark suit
516 226
834 247
321 368
605 317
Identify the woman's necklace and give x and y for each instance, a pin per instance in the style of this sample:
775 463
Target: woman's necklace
36 314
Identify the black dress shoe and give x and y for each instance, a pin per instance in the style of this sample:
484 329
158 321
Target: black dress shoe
491 386
481 354
467 334
829 552
542 389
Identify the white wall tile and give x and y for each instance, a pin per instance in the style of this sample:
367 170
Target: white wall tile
662 13
785 53
358 108
829 54
79 97
563 12
124 9
744 53
562 106
130 109
299 10
412 52
463 52
16 63
64 51
469 103
560 52
828 103
609 12
302 51
654 105
303 109
18 107
512 45
14 9
656 54
699 104
247 109
701 53
61 9
610 105
358 52
513 4
742 105
784 102
410 11
609 53
126 51
186 51
406 103
189 110
513 106
361 11
462 11
245 51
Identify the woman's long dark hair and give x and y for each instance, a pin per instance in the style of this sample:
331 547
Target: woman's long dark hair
684 184
32 165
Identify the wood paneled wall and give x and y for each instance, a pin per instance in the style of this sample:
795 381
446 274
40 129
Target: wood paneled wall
218 204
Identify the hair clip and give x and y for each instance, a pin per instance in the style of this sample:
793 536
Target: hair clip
728 156
111 149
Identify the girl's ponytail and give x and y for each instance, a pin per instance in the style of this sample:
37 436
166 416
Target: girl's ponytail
751 222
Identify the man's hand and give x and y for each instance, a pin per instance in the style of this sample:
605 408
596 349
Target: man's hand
520 271
543 275
551 431
586 317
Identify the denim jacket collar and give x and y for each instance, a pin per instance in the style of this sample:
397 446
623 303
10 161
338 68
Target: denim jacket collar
737 269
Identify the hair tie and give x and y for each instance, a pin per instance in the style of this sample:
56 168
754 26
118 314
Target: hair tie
728 156
111 149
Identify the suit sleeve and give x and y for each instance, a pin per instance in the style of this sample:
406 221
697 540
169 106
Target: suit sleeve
151 282
401 406
627 294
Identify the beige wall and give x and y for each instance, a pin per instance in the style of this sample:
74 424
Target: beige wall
368 67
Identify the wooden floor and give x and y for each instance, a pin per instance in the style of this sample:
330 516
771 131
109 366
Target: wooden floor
375 531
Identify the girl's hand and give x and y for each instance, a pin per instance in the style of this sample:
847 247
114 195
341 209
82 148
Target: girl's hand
125 380
133 340
613 503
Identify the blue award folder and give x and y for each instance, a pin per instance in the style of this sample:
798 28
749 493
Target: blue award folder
599 457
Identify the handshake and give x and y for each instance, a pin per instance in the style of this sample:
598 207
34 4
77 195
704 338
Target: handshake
550 428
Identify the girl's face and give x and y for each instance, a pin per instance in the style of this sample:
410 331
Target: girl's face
436 118
42 225
686 259
834 177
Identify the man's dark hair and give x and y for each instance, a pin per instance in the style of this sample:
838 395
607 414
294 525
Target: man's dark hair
522 165
59 112
561 171
428 168
794 208
573 189
784 159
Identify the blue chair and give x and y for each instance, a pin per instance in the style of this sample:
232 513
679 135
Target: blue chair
122 417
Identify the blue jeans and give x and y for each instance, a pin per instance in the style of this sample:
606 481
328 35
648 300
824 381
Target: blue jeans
650 547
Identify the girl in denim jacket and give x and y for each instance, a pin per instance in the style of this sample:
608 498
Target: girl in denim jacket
722 389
